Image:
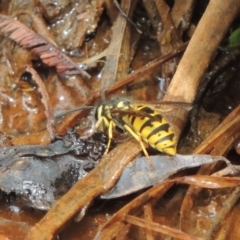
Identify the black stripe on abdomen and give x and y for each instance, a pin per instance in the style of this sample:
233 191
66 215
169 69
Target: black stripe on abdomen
166 138
132 119
148 123
162 127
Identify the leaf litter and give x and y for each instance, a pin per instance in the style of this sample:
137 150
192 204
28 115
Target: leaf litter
107 172
49 54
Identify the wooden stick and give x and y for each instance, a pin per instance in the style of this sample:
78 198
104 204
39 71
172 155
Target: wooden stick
197 57
209 33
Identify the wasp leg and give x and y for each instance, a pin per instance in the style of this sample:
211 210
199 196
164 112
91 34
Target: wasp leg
110 136
110 132
97 124
139 139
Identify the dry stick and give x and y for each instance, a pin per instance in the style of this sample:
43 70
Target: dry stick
150 225
111 69
197 57
98 181
148 216
168 39
145 69
46 102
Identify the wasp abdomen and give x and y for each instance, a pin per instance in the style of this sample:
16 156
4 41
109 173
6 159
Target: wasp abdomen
155 130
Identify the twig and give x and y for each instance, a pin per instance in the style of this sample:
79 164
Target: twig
159 228
117 64
197 57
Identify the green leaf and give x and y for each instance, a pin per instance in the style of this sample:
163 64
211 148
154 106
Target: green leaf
233 41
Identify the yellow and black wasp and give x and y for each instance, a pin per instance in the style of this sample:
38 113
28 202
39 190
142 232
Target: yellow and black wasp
141 120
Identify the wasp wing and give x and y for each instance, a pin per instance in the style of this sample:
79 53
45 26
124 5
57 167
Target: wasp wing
143 109
134 113
157 105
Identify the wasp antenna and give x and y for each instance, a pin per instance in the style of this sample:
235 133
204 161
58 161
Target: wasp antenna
73 110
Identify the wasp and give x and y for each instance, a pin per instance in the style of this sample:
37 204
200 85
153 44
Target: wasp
141 120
